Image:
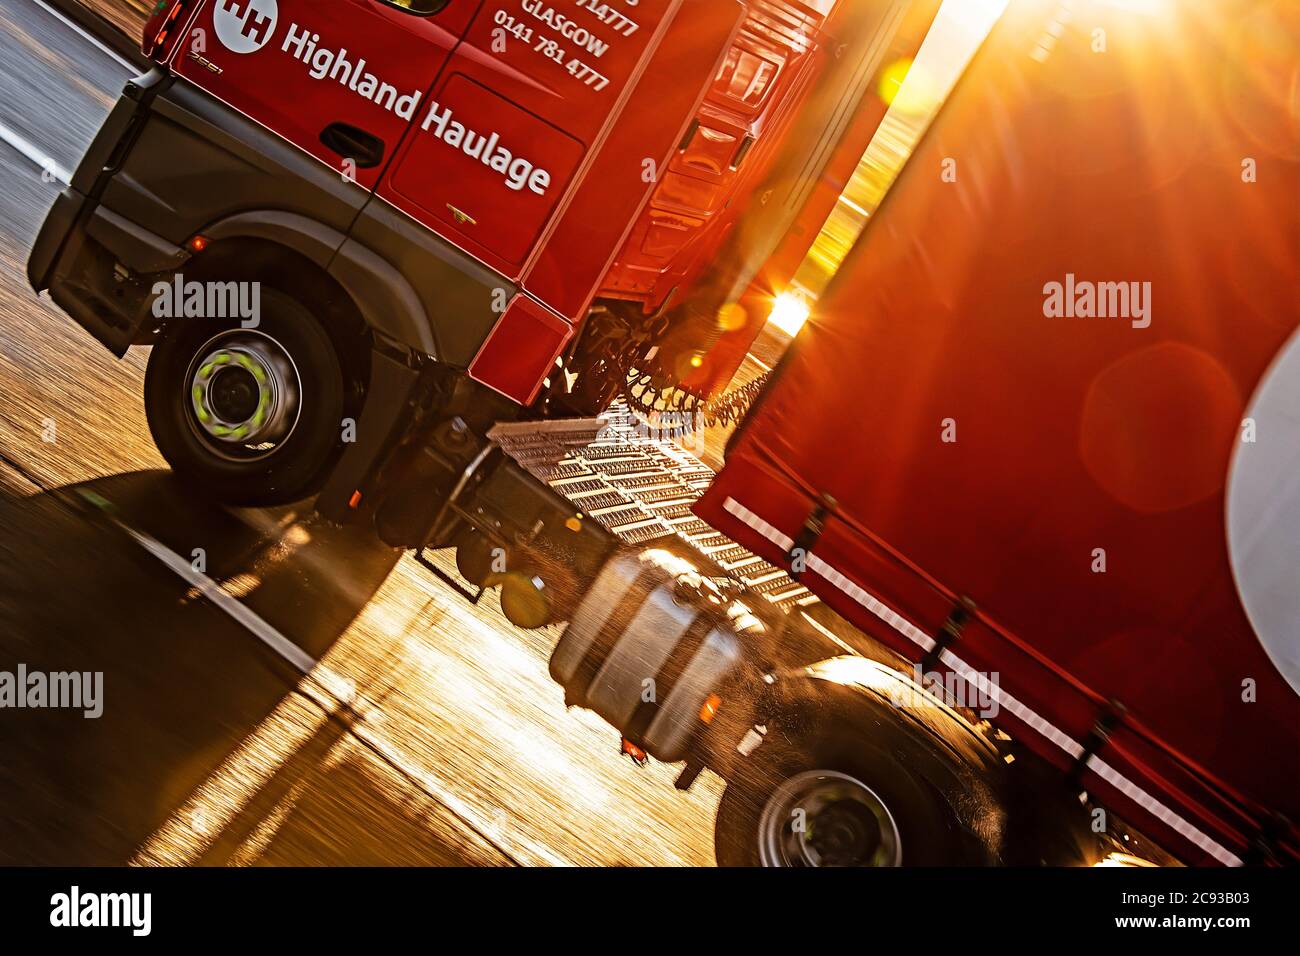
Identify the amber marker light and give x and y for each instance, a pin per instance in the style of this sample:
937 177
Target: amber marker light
710 708
635 752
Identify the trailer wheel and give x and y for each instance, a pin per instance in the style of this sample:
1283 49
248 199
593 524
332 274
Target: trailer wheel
848 805
249 416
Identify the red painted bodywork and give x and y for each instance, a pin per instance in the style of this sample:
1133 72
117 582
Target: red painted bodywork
276 89
774 275
528 337
730 147
572 262
547 114
593 111
1071 434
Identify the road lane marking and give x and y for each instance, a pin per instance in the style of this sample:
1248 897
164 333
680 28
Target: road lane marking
88 36
337 686
210 589
29 151
516 847
513 847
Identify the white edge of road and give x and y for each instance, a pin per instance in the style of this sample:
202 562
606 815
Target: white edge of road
93 39
26 147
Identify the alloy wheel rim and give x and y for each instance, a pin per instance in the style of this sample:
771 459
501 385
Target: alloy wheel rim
244 395
827 818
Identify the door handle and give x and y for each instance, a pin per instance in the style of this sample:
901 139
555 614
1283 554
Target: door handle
365 149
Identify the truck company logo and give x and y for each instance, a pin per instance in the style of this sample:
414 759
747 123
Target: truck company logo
245 26
517 171
325 63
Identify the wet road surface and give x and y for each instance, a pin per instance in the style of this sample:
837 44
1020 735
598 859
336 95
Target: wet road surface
427 731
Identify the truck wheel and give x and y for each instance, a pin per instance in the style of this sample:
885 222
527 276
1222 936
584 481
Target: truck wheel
847 806
250 416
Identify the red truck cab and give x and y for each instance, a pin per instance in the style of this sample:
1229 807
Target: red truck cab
458 183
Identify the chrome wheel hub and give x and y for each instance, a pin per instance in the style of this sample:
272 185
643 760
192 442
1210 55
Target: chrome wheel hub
244 392
827 818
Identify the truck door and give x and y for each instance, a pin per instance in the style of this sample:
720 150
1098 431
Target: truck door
525 99
342 80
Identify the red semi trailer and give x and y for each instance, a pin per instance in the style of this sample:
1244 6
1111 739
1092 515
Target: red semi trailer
1035 446
1051 402
1040 438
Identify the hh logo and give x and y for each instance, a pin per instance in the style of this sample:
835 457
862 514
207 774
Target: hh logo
244 26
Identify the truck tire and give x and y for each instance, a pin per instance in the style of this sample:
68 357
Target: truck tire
248 416
843 803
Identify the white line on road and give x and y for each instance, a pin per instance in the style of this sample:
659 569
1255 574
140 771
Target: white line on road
95 40
516 847
211 590
30 151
